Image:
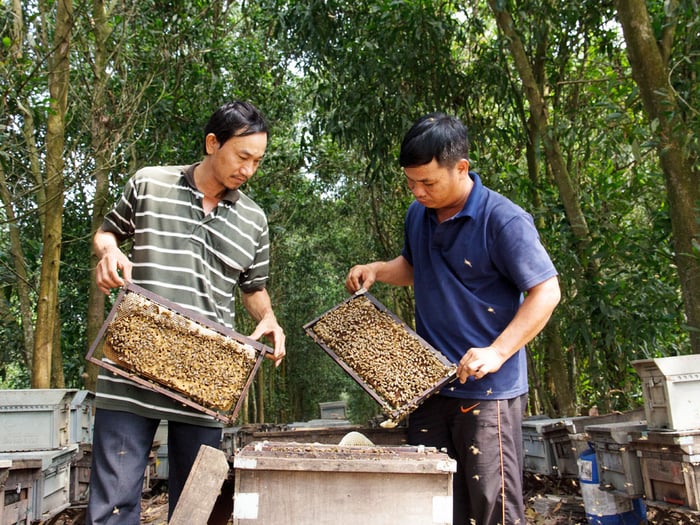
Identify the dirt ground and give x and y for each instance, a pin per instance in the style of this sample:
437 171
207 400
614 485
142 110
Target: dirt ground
548 502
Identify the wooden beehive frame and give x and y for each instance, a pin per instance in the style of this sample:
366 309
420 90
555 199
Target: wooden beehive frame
395 413
153 384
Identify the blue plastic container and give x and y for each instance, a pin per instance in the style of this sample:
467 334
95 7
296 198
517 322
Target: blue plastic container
603 507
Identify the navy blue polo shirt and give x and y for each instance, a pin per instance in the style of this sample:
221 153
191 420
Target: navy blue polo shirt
469 275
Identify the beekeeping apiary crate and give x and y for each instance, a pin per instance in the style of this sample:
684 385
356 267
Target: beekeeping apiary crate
392 363
51 490
328 484
569 438
670 464
34 419
671 390
5 465
538 449
159 453
82 409
178 353
333 410
619 469
234 439
80 466
566 445
17 480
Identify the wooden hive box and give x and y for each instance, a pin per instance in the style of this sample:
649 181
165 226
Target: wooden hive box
178 353
279 483
18 478
51 487
392 363
670 463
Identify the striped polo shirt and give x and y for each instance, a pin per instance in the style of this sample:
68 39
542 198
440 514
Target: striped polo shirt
192 259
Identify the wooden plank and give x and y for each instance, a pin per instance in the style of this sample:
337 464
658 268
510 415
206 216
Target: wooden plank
202 488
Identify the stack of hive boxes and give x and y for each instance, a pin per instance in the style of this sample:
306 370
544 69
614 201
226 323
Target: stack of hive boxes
669 450
43 435
652 452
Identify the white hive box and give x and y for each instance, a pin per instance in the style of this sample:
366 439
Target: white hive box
82 409
671 389
280 483
35 419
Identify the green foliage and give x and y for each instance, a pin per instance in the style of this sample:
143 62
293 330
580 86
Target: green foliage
340 81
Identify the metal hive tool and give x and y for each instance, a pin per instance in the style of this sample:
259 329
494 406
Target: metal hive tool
185 356
392 363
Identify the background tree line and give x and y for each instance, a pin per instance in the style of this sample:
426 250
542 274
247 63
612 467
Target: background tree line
585 114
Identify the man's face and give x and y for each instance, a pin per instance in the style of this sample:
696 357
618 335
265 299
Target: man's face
237 159
436 186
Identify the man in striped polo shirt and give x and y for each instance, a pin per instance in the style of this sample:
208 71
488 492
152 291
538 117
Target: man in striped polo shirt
195 238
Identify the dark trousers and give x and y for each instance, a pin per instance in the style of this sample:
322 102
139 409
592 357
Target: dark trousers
485 438
120 447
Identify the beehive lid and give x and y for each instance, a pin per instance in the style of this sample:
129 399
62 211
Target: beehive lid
392 363
315 457
44 458
621 432
188 327
34 398
542 423
668 366
82 398
577 424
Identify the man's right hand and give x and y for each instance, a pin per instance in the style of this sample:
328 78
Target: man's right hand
113 269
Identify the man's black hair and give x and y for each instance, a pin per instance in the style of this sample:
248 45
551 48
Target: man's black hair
434 136
235 119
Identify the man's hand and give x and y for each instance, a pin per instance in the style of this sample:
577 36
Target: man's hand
478 362
360 276
259 307
111 262
396 272
268 327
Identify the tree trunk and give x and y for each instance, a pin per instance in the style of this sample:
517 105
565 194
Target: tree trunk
58 379
20 272
537 126
53 211
538 112
649 61
101 148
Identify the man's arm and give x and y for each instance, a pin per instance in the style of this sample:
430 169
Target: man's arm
259 307
529 320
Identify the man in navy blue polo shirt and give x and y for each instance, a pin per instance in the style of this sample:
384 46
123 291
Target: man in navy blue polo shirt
484 287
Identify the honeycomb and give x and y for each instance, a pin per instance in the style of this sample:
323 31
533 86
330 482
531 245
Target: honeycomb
178 353
384 354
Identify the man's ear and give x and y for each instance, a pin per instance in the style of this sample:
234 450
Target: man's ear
463 166
211 143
